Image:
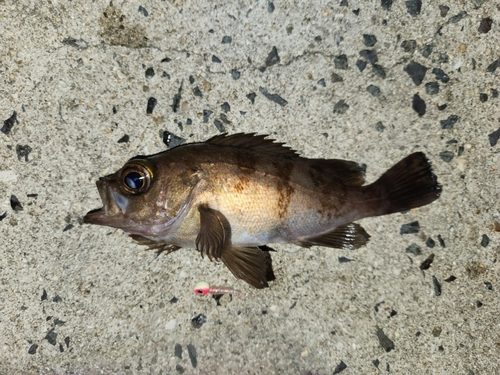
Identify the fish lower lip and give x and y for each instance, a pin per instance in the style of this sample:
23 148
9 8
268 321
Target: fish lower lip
92 217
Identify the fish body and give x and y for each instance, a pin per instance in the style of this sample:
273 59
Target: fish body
231 195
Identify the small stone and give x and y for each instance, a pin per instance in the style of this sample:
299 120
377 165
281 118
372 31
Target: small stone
252 97
340 107
32 349
494 93
336 78
488 285
179 369
273 57
340 367
441 241
289 29
9 123
143 11
450 279
369 40
171 140
379 70
418 105
23 152
178 350
449 122
483 97
124 139
376 363
458 17
361 64
409 45
485 240
321 82
191 79
446 156
225 107
370 55
494 137
386 4
479 304
430 243
436 331
198 321
215 59
493 66
57 299
15 204
416 72
379 127
414 249
385 341
273 97
51 337
235 74
437 286
192 355
270 7
44 295
340 62
220 127
197 92
440 75
150 72
414 7
485 25
374 90
426 52
151 105
413 227
425 265
442 107
3 216
68 227
206 115
443 10
462 48
227 39
432 88
345 260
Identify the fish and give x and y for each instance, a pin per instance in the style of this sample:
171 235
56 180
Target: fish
230 196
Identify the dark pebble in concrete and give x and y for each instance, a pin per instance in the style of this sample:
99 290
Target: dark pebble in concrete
414 249
485 240
178 350
321 82
446 156
191 79
197 92
150 72
426 52
345 260
483 97
252 97
416 71
224 118
340 367
32 349
220 127
440 75
458 17
425 265
430 243
379 70
124 139
494 137
225 107
44 295
177 99
379 127
437 286
409 45
3 216
370 55
443 10
236 74
386 4
174 300
376 363
340 62
9 123
227 39
51 337
340 107
57 299
273 97
165 75
450 279
151 105
192 355
432 88
344 3
361 64
198 321
206 114
374 90
68 227
273 57
478 3
442 107
449 122
413 227
15 204
166 59
171 140
494 93
418 105
23 152
215 59
485 25
385 341
479 304
143 11
493 66
336 78
441 241
488 285
414 7
369 40
270 7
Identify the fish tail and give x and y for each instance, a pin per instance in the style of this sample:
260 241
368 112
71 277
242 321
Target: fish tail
409 184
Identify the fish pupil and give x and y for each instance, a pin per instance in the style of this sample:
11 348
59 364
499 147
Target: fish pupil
134 180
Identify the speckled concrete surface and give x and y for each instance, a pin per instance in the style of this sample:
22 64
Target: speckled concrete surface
369 81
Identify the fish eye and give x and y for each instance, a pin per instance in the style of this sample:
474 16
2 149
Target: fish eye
136 177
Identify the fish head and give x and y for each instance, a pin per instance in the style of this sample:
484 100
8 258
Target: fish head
133 198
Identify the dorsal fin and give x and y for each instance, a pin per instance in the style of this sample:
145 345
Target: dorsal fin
258 143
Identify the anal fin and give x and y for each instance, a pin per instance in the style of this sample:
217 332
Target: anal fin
250 264
159 247
349 236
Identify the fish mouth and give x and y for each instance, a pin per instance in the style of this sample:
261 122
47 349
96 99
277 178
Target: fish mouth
107 214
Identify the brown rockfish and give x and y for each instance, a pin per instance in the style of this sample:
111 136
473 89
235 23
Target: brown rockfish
230 196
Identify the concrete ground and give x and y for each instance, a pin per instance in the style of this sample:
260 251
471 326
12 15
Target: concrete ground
369 81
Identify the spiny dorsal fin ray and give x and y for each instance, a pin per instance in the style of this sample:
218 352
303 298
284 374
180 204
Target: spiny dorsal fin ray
258 143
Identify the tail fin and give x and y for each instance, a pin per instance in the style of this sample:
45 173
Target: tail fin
408 184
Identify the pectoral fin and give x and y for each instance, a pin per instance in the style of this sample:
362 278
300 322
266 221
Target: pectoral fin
215 233
250 264
349 236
